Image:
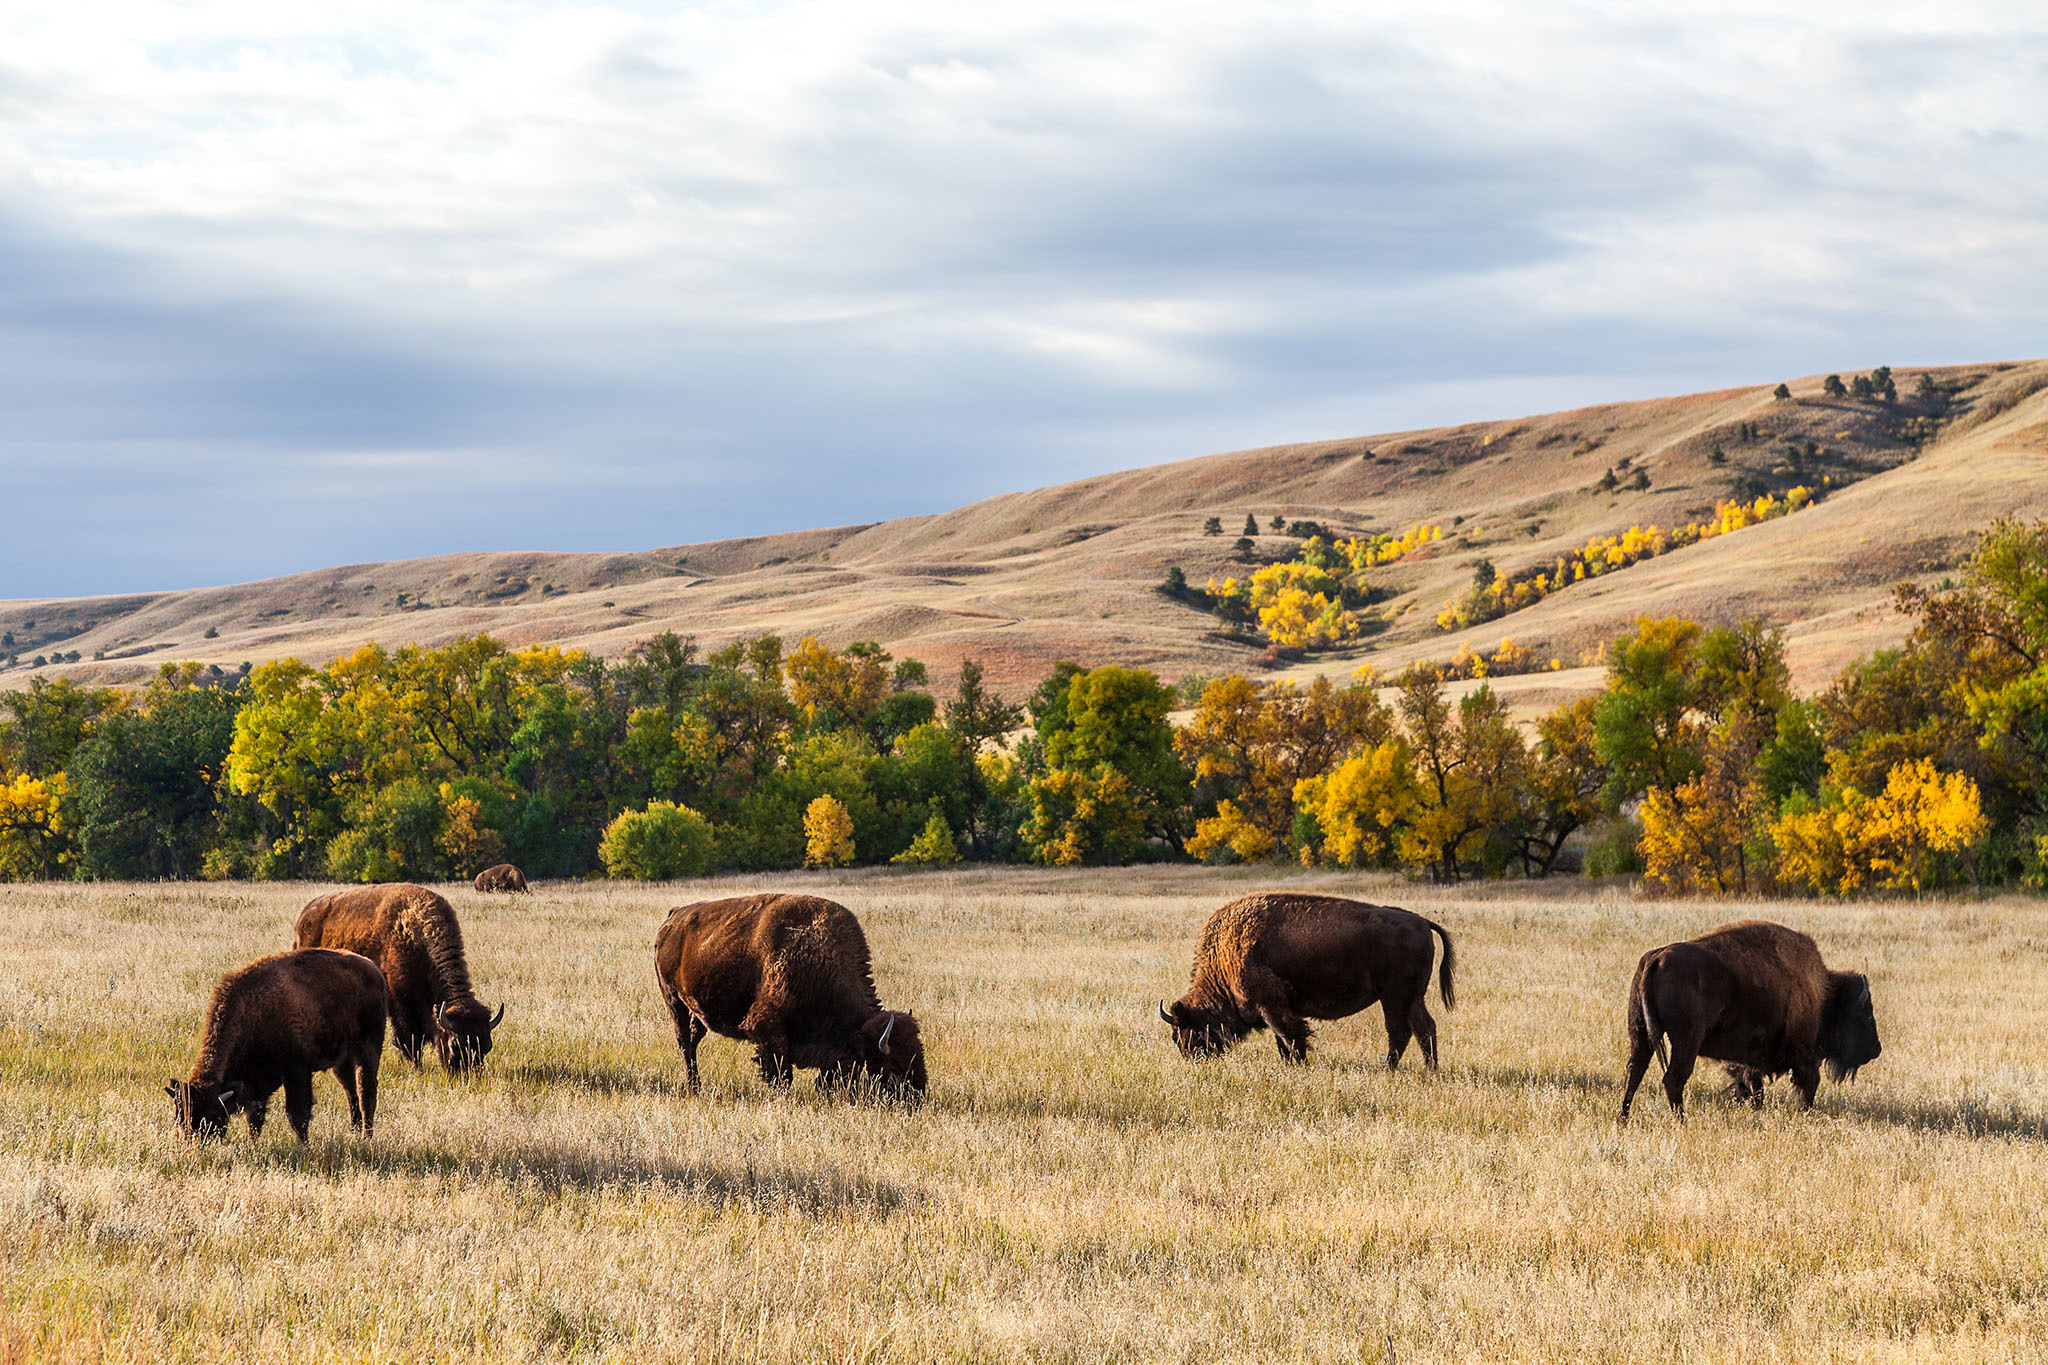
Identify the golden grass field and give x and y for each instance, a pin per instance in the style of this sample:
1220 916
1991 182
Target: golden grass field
1072 1190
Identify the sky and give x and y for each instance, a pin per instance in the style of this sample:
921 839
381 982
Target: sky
285 286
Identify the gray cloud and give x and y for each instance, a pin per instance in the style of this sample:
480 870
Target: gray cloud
601 279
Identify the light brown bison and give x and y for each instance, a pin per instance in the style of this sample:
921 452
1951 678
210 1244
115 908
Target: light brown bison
411 933
274 1023
789 974
1755 996
1277 960
503 877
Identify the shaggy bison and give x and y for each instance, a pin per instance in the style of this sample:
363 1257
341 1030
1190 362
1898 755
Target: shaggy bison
789 974
1277 960
411 933
503 877
274 1023
1756 996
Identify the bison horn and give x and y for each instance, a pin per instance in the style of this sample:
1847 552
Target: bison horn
882 1043
499 1015
1164 1016
440 1008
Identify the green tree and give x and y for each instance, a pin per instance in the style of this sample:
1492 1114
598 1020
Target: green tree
1782 392
1832 387
1211 527
145 783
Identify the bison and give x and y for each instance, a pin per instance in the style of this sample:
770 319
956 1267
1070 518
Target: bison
1277 960
276 1022
1756 996
503 877
789 974
411 933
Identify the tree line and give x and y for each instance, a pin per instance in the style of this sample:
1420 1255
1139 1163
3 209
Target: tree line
1695 766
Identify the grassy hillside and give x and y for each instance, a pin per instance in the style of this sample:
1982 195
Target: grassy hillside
1071 1191
1025 579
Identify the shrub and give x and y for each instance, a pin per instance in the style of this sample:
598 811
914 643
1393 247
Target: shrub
1782 392
660 843
1613 848
1213 526
933 848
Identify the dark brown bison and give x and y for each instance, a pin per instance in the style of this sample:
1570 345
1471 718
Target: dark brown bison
503 877
411 933
1278 960
1755 996
789 974
274 1023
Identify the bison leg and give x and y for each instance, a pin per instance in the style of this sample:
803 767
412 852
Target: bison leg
1399 1030
408 1033
771 1054
1640 1050
1747 1085
1806 1080
1420 1020
366 1073
1684 1052
346 1074
256 1111
690 1034
298 1101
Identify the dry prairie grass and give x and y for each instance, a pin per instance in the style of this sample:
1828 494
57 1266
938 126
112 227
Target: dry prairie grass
1072 1190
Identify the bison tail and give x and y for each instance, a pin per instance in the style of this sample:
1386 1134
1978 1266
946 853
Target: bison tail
1444 970
1650 1024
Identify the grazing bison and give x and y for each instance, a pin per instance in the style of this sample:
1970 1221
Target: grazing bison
411 933
276 1022
789 974
1756 996
1277 960
503 877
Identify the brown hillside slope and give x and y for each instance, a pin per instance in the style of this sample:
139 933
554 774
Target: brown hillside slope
1069 572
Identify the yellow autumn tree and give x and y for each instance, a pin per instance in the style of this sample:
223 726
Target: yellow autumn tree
34 826
1230 828
1853 841
1359 806
828 833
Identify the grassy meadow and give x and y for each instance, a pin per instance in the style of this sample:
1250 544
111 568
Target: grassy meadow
1072 1190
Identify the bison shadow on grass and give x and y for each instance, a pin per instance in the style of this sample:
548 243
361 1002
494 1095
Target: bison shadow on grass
715 1183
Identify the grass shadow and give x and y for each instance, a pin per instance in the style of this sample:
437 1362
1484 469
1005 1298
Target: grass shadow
718 1184
601 1077
1966 1118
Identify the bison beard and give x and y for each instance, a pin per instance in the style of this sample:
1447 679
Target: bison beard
791 975
1755 996
274 1023
410 933
1278 960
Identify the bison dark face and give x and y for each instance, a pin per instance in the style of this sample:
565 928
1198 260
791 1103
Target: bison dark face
1848 1028
462 1034
893 1053
1201 1033
203 1111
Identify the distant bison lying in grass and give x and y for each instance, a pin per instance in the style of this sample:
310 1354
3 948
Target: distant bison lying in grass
274 1023
1277 960
789 974
1756 996
412 934
503 877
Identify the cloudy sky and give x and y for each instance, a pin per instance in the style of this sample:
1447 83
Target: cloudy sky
288 285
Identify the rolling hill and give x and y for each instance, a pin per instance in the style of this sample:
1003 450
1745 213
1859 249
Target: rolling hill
1071 572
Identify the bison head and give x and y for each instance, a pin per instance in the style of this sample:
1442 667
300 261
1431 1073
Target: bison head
892 1052
462 1033
1848 1027
203 1110
1201 1032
